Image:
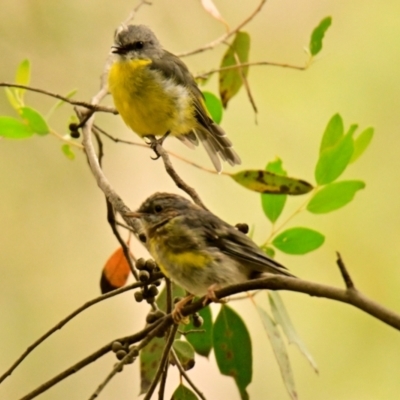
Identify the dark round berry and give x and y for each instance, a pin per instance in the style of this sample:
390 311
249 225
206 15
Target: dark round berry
244 228
159 313
157 282
142 237
138 296
150 299
198 321
152 291
121 354
75 134
116 346
133 351
160 334
144 275
140 263
151 317
120 368
176 299
150 264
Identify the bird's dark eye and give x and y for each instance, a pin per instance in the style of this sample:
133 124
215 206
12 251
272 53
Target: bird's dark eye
138 45
157 208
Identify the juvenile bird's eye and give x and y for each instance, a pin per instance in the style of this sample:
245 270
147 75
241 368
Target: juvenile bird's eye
157 208
139 45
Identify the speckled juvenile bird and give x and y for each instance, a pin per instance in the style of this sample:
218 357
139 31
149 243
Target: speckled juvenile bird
156 95
196 249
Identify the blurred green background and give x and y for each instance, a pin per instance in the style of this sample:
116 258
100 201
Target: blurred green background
54 234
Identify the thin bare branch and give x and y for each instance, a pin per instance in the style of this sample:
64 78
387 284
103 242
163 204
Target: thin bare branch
144 334
130 355
135 10
163 382
248 64
176 178
163 361
84 104
68 318
186 376
227 35
345 274
246 85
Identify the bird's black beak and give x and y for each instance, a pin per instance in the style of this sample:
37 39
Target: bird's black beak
117 50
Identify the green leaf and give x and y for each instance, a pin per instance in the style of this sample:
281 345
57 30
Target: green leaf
361 143
298 240
333 160
273 205
282 318
185 353
150 357
214 106
12 98
333 133
67 151
267 182
352 129
334 196
23 77
281 355
202 340
269 251
230 80
318 35
34 120
183 393
232 347
12 128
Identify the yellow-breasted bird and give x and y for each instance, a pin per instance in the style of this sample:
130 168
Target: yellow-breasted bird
196 249
156 95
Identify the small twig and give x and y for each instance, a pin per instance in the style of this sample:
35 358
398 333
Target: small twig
124 226
89 106
185 160
68 318
186 376
227 35
249 64
246 85
163 361
143 335
176 178
100 147
190 331
66 140
125 249
345 274
135 10
163 382
169 299
118 367
245 296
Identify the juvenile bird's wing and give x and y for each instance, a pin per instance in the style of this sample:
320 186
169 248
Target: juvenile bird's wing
238 246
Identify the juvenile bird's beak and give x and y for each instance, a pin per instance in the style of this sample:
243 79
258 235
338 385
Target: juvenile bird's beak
134 214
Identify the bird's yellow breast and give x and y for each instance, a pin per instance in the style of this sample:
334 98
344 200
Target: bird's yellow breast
147 102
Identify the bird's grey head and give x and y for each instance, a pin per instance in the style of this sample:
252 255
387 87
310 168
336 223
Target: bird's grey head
136 42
